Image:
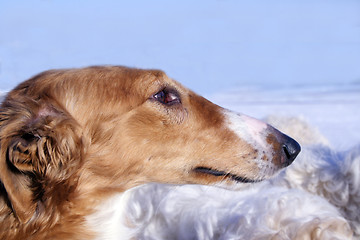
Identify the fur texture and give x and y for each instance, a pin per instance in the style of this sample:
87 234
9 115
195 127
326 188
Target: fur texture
317 197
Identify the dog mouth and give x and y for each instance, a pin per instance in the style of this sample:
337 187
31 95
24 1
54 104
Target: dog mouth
225 175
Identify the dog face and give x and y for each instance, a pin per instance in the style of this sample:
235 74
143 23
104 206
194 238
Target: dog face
104 129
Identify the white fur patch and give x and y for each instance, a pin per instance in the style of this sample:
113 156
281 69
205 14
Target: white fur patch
317 197
254 132
109 222
312 199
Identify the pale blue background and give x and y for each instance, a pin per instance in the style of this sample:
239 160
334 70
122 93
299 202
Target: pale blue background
207 45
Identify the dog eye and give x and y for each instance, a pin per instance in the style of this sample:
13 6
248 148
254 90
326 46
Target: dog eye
167 97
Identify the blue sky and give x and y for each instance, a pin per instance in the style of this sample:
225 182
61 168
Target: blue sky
207 45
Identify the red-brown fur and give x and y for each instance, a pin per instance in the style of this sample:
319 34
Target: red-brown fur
71 138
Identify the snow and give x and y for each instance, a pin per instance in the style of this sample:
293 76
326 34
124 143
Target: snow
334 110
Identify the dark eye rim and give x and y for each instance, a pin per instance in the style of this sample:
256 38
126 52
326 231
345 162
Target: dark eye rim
167 92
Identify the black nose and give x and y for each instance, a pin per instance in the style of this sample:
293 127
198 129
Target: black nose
291 149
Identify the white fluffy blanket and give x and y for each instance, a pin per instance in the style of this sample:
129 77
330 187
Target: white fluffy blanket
317 197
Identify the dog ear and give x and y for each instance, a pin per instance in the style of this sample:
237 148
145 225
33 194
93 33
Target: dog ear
45 149
18 191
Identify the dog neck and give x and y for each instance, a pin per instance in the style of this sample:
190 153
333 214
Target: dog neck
109 219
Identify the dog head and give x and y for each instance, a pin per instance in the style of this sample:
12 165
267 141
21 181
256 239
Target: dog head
112 128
